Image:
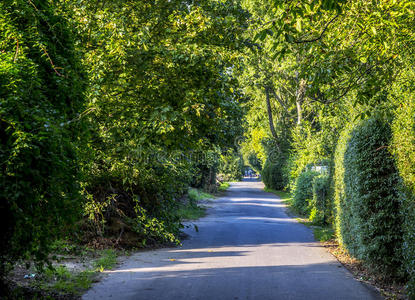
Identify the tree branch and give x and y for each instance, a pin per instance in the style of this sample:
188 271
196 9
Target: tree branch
270 118
320 36
51 62
279 100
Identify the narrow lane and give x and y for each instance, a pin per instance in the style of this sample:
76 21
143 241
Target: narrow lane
246 248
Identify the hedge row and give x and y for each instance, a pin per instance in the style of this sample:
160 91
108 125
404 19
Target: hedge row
310 196
273 175
372 202
320 212
303 192
403 142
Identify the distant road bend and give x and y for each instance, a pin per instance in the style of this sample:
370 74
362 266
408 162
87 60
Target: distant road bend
246 248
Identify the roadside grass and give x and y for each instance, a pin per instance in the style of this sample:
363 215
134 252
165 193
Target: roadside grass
62 280
190 212
191 209
198 195
107 260
321 233
68 282
286 196
223 186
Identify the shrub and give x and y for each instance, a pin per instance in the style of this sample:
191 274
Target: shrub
40 99
272 176
342 209
320 205
371 194
403 148
303 192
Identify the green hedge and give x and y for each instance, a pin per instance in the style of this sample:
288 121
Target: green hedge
303 192
403 147
370 222
320 204
342 208
273 175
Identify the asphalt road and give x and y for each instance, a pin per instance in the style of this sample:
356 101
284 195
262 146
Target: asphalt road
246 248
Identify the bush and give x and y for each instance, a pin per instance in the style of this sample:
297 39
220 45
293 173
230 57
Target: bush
303 192
342 209
40 101
320 205
371 197
403 147
272 176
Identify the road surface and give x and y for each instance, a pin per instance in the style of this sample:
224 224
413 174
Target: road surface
246 248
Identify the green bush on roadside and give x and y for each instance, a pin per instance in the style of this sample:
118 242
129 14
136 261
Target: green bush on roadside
273 175
303 192
39 174
320 204
403 148
370 197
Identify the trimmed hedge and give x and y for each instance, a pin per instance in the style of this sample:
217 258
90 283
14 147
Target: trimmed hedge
303 192
320 204
403 147
342 208
370 219
273 175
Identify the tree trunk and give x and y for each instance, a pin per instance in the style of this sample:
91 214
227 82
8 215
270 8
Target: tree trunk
270 117
299 100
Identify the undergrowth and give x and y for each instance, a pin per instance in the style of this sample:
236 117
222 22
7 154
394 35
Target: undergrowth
223 186
191 209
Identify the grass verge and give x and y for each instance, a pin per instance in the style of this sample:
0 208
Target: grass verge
321 233
223 186
286 196
75 282
192 208
68 277
190 212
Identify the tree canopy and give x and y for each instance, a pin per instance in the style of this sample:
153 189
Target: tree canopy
111 110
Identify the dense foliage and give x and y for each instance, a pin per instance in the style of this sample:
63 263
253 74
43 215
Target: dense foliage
110 110
231 166
316 69
371 181
41 92
403 146
320 205
303 192
273 174
344 218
